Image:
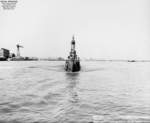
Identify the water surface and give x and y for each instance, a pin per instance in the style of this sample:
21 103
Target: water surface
42 92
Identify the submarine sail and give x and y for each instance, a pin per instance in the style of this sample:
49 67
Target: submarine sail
73 61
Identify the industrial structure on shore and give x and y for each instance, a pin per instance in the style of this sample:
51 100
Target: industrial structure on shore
18 57
6 55
73 62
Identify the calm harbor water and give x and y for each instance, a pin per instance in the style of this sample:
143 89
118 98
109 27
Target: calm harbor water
42 92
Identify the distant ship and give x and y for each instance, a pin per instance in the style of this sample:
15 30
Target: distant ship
73 62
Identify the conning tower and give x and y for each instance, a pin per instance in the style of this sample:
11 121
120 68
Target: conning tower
73 62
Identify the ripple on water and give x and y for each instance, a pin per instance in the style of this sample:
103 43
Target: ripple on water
53 97
47 84
5 109
35 103
44 80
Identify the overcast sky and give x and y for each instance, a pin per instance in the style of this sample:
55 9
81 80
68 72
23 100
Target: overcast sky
109 29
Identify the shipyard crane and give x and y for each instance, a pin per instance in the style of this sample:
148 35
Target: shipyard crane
18 49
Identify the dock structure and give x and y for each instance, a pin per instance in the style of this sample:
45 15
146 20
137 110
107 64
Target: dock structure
73 61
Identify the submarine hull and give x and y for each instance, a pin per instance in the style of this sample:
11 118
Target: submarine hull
72 66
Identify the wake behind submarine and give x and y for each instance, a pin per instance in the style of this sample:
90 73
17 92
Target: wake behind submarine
73 61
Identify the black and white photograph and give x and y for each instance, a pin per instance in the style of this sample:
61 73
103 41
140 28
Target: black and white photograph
74 61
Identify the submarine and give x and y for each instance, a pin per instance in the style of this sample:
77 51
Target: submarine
72 63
